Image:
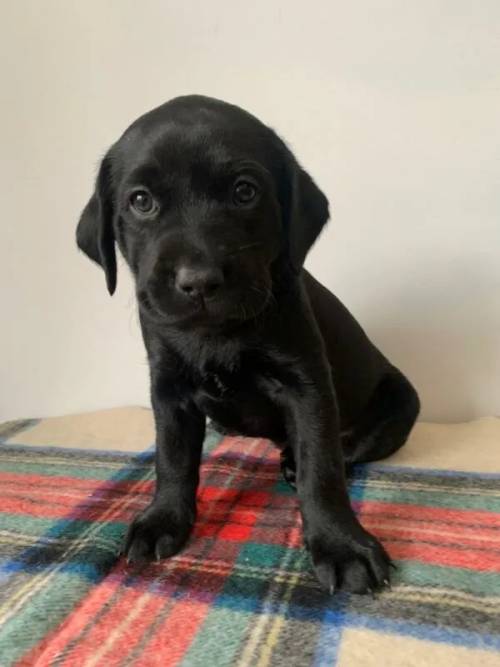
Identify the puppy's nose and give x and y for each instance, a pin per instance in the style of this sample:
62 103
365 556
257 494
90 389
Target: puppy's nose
198 282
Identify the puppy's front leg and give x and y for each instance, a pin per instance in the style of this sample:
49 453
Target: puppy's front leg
163 528
344 555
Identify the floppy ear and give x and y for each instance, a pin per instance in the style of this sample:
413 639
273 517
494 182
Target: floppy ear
307 214
94 234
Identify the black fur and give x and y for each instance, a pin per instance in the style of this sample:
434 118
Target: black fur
237 330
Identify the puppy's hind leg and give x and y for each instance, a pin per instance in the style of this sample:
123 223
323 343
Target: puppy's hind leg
386 422
383 428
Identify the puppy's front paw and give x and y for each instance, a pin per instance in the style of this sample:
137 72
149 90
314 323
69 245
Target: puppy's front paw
355 563
156 534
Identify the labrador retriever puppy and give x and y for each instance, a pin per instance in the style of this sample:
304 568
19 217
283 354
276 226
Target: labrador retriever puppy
215 217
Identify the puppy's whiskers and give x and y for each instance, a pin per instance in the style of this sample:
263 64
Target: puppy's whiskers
248 246
265 292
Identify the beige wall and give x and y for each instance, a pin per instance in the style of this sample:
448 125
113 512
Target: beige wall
393 106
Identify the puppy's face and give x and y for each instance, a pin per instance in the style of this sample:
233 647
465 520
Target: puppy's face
200 197
199 224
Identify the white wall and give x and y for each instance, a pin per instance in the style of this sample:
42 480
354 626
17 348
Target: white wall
394 108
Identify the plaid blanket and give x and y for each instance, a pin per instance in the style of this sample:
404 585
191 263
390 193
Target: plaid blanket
242 592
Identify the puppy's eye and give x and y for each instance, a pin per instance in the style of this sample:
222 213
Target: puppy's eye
142 203
244 192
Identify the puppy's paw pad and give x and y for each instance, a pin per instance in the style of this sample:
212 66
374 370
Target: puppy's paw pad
352 567
153 536
355 578
165 547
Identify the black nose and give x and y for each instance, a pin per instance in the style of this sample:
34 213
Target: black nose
199 282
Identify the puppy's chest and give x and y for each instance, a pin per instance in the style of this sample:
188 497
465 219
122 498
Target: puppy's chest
218 386
222 386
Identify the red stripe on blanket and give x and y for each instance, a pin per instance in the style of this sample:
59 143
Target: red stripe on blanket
53 644
172 637
135 631
30 482
106 630
470 559
91 510
481 539
371 508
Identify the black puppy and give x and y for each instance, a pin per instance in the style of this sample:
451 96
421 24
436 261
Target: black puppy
215 217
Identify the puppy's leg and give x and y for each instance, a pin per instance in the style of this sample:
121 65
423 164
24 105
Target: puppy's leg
162 529
344 555
386 422
288 466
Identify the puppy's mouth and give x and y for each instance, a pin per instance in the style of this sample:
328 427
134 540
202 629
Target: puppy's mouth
230 309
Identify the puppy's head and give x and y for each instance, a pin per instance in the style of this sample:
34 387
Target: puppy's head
204 201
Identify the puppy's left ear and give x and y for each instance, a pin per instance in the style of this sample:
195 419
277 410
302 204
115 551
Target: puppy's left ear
308 213
94 234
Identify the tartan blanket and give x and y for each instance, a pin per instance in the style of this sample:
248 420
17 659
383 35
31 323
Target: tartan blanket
242 592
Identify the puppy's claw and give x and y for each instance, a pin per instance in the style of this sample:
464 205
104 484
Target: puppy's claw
325 573
137 551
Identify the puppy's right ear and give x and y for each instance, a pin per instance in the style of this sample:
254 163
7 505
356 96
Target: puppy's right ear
94 234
